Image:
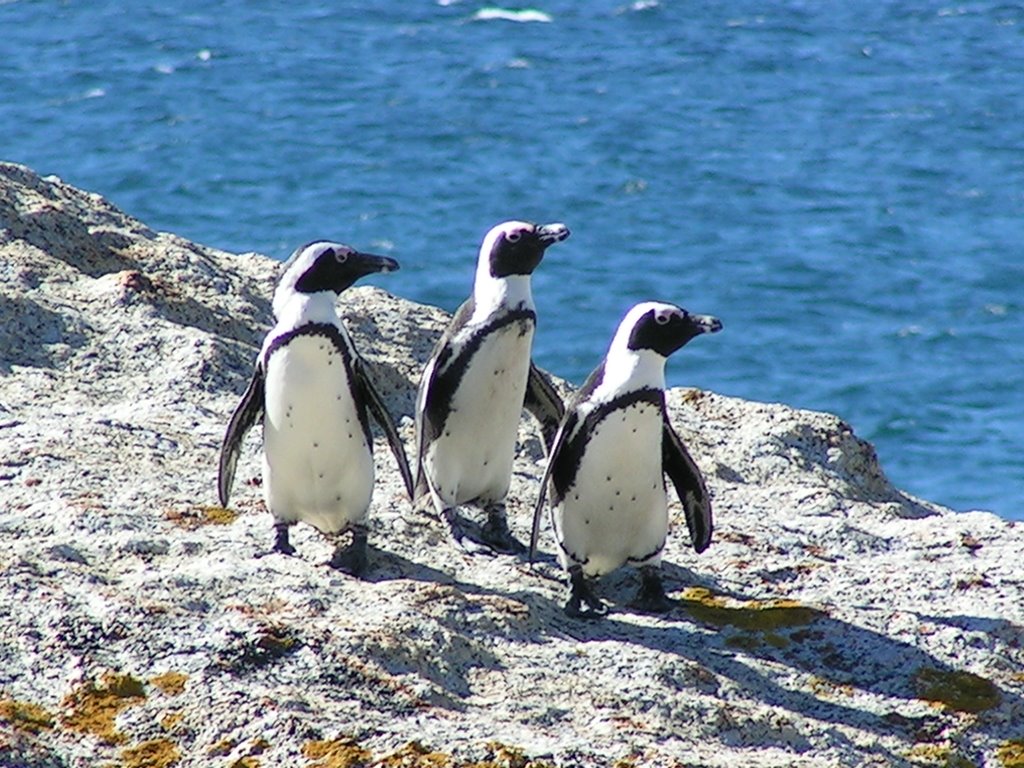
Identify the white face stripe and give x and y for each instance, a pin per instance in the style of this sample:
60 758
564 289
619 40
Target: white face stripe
299 263
621 338
285 296
492 293
627 369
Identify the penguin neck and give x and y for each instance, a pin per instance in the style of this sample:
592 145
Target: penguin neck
626 370
293 309
492 295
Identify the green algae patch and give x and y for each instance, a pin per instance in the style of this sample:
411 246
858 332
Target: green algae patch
336 753
95 705
157 753
750 615
171 683
26 716
961 691
1010 754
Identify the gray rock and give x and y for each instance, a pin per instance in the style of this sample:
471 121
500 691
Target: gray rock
835 620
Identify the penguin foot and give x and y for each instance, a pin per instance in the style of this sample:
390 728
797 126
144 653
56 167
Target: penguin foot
281 543
651 597
351 559
583 603
496 535
460 532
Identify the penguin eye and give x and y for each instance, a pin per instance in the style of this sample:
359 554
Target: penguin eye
341 256
514 237
661 318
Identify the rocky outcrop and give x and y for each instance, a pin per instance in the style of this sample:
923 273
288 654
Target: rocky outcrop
834 620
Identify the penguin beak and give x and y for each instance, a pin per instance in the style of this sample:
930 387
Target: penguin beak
707 323
368 263
552 233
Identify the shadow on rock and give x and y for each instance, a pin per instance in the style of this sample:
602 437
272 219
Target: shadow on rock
445 633
65 236
33 336
841 658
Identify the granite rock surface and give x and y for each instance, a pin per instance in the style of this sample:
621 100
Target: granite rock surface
834 621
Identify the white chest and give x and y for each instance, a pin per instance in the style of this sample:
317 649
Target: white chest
318 466
616 510
472 456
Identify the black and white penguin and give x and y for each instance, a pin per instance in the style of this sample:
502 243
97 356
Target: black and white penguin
477 382
606 470
313 393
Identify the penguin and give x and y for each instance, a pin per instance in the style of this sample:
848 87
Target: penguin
476 383
606 469
313 393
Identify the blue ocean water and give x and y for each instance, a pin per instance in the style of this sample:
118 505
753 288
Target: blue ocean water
841 183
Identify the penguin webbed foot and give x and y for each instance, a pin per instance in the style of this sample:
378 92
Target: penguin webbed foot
281 543
651 597
582 602
351 558
496 535
460 531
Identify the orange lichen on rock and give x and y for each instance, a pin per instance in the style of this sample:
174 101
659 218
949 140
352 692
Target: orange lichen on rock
94 706
1011 753
171 683
26 716
760 615
196 517
336 753
156 753
415 755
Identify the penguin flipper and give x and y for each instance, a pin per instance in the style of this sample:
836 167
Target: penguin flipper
248 411
689 484
420 487
375 403
566 427
543 401
435 392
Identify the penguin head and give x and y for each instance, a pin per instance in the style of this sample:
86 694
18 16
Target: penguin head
517 247
662 328
326 266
